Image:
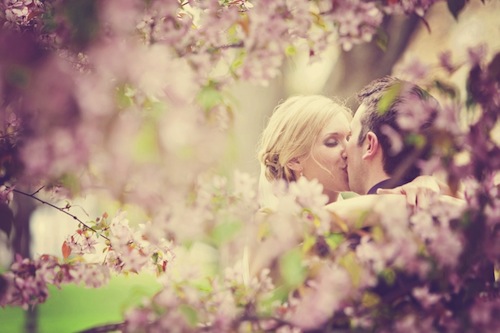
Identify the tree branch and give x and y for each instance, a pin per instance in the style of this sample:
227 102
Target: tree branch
105 328
33 196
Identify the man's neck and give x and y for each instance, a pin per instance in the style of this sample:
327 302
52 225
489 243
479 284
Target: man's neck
388 183
374 179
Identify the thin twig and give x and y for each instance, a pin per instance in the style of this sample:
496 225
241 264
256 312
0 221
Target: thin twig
105 328
41 188
59 209
257 319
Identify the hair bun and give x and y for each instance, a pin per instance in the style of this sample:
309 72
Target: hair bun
274 170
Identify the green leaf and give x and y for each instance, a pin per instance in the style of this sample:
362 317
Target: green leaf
145 147
18 76
389 276
377 233
224 232
494 68
71 182
155 257
353 267
124 96
154 108
446 88
470 102
291 268
388 98
290 50
202 284
190 314
382 39
209 97
267 306
83 20
455 7
238 61
3 286
417 140
334 240
370 299
308 243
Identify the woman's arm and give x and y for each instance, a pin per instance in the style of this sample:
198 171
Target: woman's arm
357 212
365 210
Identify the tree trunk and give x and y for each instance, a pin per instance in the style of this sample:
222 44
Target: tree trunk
366 62
24 207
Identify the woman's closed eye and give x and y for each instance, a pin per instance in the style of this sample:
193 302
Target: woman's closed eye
331 142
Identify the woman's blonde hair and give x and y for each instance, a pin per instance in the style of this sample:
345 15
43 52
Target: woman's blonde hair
291 132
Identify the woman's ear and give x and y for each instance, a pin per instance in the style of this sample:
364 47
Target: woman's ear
295 165
372 146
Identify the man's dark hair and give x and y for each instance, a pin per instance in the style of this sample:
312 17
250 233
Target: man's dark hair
402 108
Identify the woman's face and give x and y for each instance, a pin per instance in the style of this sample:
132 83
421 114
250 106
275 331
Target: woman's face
327 161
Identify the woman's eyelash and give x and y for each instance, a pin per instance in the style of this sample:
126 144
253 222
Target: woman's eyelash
331 142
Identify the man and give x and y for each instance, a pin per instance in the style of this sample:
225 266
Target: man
390 133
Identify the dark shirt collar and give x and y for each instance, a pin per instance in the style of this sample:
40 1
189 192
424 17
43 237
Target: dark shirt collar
388 183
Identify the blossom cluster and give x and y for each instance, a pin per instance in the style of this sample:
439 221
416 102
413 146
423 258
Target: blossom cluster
295 274
28 280
211 307
123 249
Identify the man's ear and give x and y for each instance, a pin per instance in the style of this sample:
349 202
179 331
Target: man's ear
295 164
372 146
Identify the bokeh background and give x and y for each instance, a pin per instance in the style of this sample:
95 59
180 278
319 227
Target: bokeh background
337 74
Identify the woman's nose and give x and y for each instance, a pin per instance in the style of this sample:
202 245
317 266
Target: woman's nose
344 153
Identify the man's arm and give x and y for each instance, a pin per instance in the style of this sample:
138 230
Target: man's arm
421 190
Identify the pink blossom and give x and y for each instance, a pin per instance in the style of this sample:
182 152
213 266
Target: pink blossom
92 275
415 70
322 298
308 193
484 314
418 7
138 318
82 243
476 54
394 137
426 299
430 166
447 119
121 15
410 323
414 112
6 194
22 12
447 247
446 62
423 225
369 253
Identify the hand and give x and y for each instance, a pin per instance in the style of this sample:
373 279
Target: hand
418 192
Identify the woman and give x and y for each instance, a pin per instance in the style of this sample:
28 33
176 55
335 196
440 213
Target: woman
305 137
